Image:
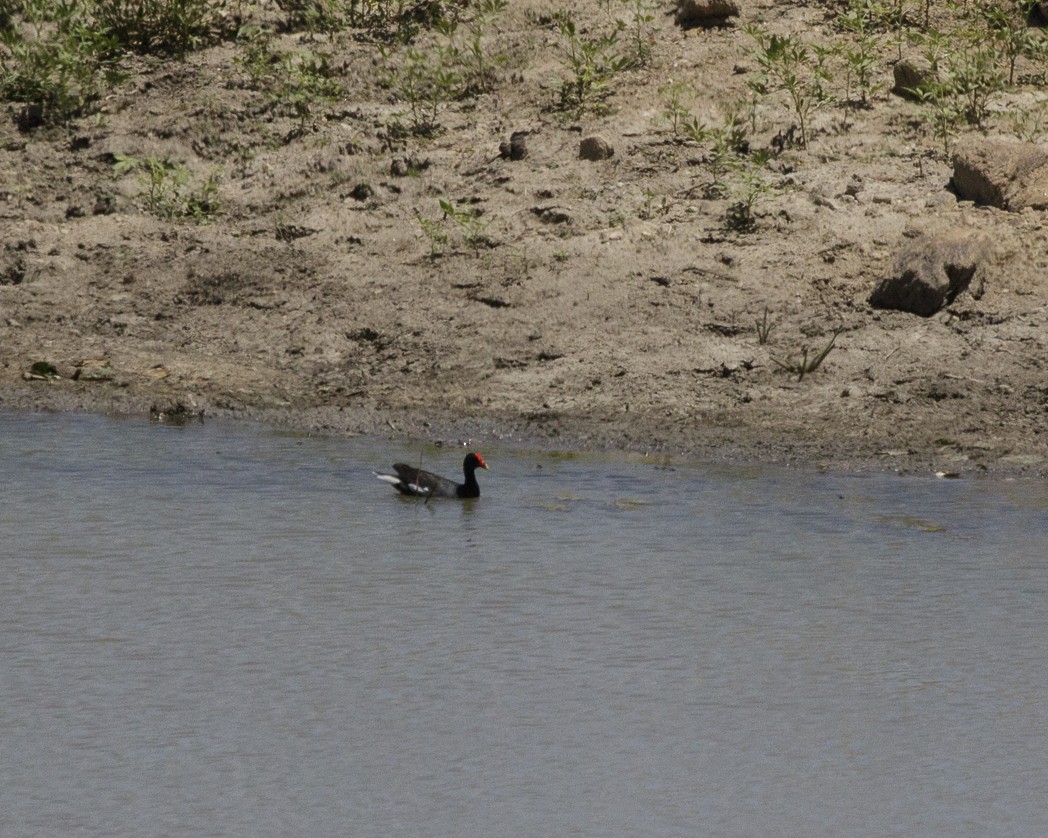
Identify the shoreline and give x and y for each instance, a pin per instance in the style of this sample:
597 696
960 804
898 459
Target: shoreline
742 446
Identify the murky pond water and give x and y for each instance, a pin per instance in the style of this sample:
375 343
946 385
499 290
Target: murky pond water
221 630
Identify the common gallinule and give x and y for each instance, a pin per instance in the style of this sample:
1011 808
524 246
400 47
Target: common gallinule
409 480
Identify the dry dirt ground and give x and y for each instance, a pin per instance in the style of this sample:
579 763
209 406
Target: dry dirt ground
605 304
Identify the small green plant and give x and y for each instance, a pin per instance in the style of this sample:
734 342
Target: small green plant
941 111
389 21
764 328
728 145
315 15
975 75
749 186
686 125
470 223
296 83
1030 124
478 64
860 54
696 130
1007 26
168 188
638 27
458 63
675 94
940 105
304 82
426 81
805 364
591 61
434 233
256 55
790 64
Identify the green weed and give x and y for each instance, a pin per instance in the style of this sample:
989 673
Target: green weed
316 15
745 190
53 61
469 222
1030 124
675 111
975 75
398 21
637 27
169 27
799 68
728 146
304 82
860 54
764 328
807 364
436 235
478 64
591 61
168 189
296 83
1006 24
426 82
458 64
941 110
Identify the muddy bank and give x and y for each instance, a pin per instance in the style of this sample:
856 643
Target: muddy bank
612 300
828 444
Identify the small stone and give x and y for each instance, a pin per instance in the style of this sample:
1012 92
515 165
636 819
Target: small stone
176 414
29 117
516 147
407 166
361 192
93 369
595 147
41 371
552 215
14 273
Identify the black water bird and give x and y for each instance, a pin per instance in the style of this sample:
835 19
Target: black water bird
409 480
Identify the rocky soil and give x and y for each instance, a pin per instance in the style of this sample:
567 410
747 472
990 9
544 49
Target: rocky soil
565 301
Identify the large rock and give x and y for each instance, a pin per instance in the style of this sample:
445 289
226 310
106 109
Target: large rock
595 147
931 271
692 13
1007 174
913 75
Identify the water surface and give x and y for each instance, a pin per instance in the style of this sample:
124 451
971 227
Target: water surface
222 630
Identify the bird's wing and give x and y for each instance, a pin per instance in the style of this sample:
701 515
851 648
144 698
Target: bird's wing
425 482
